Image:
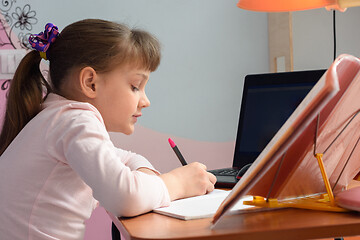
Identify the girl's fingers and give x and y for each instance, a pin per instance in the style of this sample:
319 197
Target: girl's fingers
212 178
210 188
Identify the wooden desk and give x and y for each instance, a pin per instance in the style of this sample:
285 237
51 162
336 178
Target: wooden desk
276 224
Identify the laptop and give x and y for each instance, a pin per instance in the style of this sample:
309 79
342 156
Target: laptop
267 102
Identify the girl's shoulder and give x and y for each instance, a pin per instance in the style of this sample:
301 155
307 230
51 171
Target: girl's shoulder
64 108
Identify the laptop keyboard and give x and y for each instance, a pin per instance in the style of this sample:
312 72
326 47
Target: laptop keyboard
231 171
225 172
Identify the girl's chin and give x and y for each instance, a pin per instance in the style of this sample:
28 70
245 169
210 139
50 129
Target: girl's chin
129 131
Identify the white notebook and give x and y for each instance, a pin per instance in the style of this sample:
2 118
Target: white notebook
203 206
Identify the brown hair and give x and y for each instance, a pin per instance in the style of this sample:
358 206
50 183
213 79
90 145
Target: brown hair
99 44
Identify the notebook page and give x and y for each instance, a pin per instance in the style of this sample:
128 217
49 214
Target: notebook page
198 207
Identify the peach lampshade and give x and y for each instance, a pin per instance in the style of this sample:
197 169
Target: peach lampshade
295 5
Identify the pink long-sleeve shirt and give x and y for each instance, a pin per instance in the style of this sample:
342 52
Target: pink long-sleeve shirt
60 165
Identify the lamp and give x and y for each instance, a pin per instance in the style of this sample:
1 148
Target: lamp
295 5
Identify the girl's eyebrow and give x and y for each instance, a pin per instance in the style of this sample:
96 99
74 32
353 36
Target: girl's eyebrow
144 76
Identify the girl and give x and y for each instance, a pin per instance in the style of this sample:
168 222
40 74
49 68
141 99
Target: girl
57 161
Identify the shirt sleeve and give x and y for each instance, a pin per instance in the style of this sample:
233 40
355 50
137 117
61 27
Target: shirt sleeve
79 138
134 161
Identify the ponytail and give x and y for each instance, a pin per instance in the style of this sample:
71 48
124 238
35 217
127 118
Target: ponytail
24 98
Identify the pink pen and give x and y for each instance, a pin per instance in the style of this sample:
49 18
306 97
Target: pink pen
177 152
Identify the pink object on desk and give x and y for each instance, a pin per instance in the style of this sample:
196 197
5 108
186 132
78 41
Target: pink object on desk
349 199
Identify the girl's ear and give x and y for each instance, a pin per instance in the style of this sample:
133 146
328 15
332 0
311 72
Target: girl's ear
88 82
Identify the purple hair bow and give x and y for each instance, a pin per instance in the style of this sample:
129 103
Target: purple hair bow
42 41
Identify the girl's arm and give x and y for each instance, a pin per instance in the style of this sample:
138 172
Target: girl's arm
148 171
79 139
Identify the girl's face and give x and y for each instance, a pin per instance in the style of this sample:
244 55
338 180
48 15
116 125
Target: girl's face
121 97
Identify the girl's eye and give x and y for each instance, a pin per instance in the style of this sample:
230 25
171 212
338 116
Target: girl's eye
135 89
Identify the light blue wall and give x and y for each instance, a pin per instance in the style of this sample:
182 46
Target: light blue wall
208 48
313 36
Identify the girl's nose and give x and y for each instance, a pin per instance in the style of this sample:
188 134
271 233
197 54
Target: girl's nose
144 101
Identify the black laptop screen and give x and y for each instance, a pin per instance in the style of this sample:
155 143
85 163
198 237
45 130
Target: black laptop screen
268 101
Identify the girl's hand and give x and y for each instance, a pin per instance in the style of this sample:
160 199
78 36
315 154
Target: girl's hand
188 181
